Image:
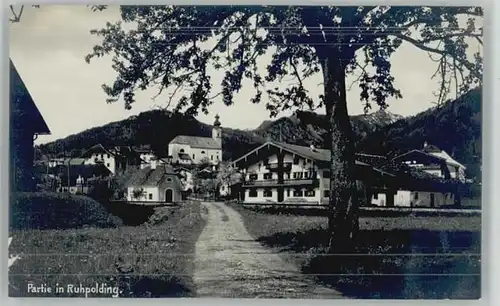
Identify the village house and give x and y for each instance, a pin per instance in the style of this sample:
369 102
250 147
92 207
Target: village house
81 177
186 150
116 159
26 123
409 186
435 161
146 155
278 172
157 183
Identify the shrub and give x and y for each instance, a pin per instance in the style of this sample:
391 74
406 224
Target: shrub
46 210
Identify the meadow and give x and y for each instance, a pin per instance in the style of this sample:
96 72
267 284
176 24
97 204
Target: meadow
153 259
398 256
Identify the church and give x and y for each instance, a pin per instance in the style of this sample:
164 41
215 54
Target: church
189 150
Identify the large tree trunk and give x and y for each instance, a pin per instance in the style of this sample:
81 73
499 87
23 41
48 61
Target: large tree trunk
343 204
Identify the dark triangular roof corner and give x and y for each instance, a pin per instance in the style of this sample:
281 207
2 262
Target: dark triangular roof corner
24 112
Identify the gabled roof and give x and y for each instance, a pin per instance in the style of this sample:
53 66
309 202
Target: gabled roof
422 154
152 177
448 158
24 113
98 148
319 155
122 151
197 142
315 154
414 178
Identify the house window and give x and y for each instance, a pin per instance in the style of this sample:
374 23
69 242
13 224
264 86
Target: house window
193 156
202 152
252 193
375 196
297 193
326 174
107 165
109 156
169 179
268 193
310 193
150 196
211 157
253 176
326 193
288 192
415 197
295 160
102 155
181 150
268 176
217 157
306 175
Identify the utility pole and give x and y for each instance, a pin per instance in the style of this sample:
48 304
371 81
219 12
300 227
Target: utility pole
69 181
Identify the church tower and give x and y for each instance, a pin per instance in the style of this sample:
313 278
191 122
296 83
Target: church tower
217 130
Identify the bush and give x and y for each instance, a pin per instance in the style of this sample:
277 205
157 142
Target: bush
46 210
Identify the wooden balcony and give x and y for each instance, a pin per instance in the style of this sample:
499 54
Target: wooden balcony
286 182
275 167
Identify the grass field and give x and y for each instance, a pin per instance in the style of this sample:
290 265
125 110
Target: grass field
395 257
150 260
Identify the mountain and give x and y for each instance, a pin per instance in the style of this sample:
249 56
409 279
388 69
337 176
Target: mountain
454 127
157 128
154 128
305 128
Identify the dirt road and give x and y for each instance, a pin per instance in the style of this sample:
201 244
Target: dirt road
230 263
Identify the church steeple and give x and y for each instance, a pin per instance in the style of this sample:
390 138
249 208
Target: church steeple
217 122
216 129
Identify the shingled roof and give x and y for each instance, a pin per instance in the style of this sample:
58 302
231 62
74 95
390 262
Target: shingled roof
321 155
152 177
197 142
414 179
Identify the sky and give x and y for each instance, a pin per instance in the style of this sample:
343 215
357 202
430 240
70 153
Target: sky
48 48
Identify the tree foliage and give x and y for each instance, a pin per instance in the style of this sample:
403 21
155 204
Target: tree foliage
165 49
225 174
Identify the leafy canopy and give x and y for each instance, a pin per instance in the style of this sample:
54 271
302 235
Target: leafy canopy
175 48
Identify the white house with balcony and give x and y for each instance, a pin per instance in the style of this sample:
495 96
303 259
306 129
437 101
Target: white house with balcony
187 150
434 161
278 172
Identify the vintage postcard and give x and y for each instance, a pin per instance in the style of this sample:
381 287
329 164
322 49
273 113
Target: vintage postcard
245 151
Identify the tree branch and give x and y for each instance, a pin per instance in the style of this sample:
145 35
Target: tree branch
422 46
296 72
363 68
